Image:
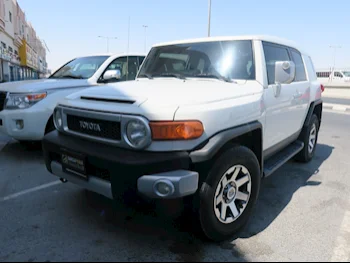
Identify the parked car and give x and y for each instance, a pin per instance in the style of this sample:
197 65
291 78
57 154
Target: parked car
205 122
26 107
337 76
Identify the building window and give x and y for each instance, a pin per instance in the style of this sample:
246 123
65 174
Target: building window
16 53
10 16
10 49
3 44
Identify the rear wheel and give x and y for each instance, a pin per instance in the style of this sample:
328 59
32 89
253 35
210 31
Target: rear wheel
309 137
228 196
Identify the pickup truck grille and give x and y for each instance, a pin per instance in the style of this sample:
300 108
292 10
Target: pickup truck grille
2 99
94 127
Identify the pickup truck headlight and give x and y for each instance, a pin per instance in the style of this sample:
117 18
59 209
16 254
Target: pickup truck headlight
57 119
138 134
23 101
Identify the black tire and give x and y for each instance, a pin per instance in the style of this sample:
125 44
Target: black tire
305 155
212 227
49 126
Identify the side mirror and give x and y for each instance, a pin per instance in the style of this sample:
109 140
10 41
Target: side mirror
112 74
284 72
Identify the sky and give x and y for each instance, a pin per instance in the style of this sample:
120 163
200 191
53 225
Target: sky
71 28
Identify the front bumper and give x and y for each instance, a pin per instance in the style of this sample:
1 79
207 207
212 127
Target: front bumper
112 171
34 123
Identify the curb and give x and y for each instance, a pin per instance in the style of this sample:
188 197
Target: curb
336 107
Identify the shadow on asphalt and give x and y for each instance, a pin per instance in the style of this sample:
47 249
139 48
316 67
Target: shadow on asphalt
278 190
151 223
15 151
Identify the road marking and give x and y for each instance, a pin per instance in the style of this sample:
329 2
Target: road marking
341 251
35 189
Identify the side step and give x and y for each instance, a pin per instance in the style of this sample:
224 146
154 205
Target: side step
280 158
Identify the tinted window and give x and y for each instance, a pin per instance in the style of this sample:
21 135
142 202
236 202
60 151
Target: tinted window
231 59
141 60
300 74
338 75
128 67
273 54
80 68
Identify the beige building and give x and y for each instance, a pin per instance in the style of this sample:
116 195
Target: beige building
22 54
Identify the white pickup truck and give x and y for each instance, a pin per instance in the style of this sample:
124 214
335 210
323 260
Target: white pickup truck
26 107
205 121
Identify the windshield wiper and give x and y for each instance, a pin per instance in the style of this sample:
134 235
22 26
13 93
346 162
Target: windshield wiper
71 77
216 76
166 74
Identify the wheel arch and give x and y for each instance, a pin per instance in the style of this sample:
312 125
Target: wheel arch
249 135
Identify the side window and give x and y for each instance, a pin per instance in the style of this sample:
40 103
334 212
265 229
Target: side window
300 74
274 53
338 75
128 67
133 67
141 59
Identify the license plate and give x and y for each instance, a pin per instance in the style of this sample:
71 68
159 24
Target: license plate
74 163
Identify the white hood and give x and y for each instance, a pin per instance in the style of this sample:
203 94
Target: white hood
169 92
42 84
158 98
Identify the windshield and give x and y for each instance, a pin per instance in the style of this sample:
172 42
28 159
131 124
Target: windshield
346 73
220 59
80 68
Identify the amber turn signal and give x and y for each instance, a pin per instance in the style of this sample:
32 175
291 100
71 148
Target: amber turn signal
176 130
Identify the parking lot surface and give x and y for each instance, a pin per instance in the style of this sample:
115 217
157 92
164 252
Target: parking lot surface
303 214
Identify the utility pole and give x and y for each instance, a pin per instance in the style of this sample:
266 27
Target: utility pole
209 17
334 56
127 55
145 27
107 38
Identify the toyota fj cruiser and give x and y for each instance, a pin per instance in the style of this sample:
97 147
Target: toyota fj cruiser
205 119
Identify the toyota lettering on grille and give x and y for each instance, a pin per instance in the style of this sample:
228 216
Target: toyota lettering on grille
90 126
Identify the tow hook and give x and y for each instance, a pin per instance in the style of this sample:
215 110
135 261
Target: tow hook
63 180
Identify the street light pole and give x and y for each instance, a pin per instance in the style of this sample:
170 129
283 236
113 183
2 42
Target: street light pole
107 38
209 17
145 27
334 55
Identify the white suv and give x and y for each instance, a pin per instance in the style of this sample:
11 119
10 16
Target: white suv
26 107
206 119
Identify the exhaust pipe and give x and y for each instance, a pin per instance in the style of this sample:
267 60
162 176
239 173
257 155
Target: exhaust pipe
63 180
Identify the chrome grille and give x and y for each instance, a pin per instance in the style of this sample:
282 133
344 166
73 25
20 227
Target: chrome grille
107 129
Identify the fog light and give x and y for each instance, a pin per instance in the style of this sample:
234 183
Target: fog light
19 124
164 188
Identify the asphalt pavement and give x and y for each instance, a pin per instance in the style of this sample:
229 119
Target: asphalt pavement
336 101
303 214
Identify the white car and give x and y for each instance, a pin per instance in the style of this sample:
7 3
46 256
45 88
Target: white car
205 121
26 107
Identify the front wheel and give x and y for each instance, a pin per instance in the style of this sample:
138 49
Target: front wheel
228 196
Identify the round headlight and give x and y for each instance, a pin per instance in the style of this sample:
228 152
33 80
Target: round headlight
138 134
57 119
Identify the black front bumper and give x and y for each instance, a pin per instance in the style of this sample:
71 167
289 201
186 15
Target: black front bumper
120 167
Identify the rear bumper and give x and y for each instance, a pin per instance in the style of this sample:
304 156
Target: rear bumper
112 171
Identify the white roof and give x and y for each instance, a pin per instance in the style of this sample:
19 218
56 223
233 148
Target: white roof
267 38
115 54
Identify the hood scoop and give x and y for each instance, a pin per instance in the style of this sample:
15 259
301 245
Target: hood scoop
111 100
